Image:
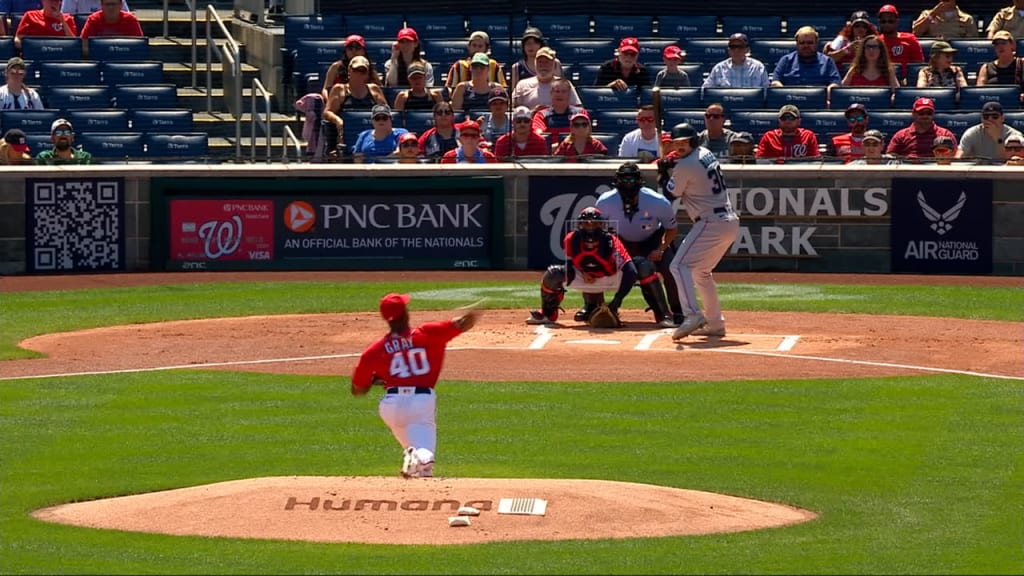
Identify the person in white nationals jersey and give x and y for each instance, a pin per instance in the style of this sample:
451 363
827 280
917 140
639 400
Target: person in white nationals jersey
696 178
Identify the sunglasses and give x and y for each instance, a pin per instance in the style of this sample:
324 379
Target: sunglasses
580 124
443 113
360 70
645 119
942 150
856 118
925 112
991 116
736 47
382 117
872 46
872 143
62 132
410 144
787 117
1000 42
522 121
714 116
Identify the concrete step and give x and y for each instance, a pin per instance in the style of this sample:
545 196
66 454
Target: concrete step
180 74
196 99
222 125
179 49
179 22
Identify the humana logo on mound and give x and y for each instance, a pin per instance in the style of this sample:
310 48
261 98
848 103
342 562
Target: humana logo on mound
316 504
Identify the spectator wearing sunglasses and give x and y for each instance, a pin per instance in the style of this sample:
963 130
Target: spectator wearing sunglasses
522 140
408 151
63 151
580 141
915 141
1014 150
1007 68
715 136
789 140
850 146
1009 19
903 46
986 140
805 66
642 143
943 150
440 138
739 70
469 150
379 141
844 45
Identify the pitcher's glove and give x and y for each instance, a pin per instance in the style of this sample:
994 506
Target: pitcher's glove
605 317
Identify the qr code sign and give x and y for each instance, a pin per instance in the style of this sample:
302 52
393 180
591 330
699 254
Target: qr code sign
75 225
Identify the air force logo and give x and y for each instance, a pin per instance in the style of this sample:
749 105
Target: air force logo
941 223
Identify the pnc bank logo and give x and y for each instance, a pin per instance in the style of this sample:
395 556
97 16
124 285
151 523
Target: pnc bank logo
299 216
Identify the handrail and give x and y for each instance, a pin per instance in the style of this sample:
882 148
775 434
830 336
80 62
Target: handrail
231 60
258 90
285 137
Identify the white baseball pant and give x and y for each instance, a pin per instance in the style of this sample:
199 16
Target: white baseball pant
412 420
702 250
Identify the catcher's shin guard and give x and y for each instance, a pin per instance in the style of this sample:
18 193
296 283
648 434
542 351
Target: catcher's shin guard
591 302
654 295
552 291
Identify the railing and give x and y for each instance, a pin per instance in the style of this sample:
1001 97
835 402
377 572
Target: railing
289 136
230 57
259 91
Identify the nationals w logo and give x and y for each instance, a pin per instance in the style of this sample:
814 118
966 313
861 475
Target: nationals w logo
941 223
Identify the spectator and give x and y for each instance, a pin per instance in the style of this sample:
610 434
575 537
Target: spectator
915 141
580 141
805 65
1009 19
986 140
1014 150
63 137
946 20
850 146
47 21
356 94
871 66
469 151
440 138
672 77
14 149
379 141
15 94
642 143
405 53
903 46
741 149
739 70
535 92
533 41
85 6
789 140
418 96
623 71
555 119
1006 68
496 122
944 150
337 72
874 143
110 20
715 136
522 141
472 96
408 151
940 72
460 71
845 44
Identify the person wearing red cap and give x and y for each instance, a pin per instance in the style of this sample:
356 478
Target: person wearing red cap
672 77
580 141
915 141
903 46
407 364
468 151
406 52
47 21
623 71
408 151
337 72
14 148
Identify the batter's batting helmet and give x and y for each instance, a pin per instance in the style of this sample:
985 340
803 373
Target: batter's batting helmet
684 130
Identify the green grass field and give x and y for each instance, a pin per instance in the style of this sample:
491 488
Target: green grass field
912 475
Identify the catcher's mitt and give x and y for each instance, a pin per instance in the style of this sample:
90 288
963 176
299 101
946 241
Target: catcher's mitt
605 317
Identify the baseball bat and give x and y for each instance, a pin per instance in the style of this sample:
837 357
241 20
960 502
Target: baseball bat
656 102
473 306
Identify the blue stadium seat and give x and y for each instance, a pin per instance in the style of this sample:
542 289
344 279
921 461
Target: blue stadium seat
957 122
803 97
674 98
914 69
616 26
375 25
759 26
111 147
945 98
29 120
651 49
695 72
379 51
707 50
757 123
1014 119
589 51
7 48
604 98
80 21
687 26
39 141
610 140
974 97
827 25
445 50
176 148
613 121
823 122
695 118
103 120
735 98
355 122
561 25
59 72
972 52
117 73
506 53
138 96
51 48
497 25
872 97
769 50
889 121
310 56
329 26
586 74
418 121
437 25
177 120
68 97
118 48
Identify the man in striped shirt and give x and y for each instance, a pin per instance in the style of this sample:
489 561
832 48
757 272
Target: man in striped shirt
739 70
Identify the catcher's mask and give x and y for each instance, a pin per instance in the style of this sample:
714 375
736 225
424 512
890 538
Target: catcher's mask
590 224
628 181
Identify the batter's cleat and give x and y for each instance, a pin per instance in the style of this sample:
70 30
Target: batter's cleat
707 330
410 463
689 326
667 322
537 317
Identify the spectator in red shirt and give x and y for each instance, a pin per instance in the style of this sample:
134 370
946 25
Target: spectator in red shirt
469 151
789 140
915 141
850 146
581 141
47 21
522 140
555 120
903 46
110 20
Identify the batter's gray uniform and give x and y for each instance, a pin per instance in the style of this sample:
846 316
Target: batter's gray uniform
697 180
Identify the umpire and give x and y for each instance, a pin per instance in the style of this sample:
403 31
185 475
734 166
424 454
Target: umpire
645 222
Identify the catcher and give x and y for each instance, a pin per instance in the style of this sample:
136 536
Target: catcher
596 263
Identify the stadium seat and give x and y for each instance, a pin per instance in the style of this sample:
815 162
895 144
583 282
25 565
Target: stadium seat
974 97
687 26
1014 119
945 98
111 147
604 98
586 74
614 121
506 53
325 27
753 26
827 25
176 147
770 50
709 50
177 120
610 140
670 118
735 98
118 48
616 26
695 72
68 97
913 70
310 57
51 48
971 52
445 50
889 121
375 25
102 120
379 51
355 122
418 121
7 48
674 98
957 122
52 73
497 25
651 49
39 141
590 51
872 97
118 73
436 25
561 25
824 122
757 123
29 121
138 96
803 97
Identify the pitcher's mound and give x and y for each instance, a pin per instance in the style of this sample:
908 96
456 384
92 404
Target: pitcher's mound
387 510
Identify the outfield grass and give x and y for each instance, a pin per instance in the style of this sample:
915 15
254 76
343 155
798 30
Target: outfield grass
911 475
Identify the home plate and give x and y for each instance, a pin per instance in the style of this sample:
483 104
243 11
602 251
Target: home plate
594 341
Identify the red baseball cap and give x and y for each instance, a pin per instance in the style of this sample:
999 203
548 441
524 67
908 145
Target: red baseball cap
356 38
924 104
468 126
392 305
580 114
629 44
408 34
407 136
673 51
890 9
